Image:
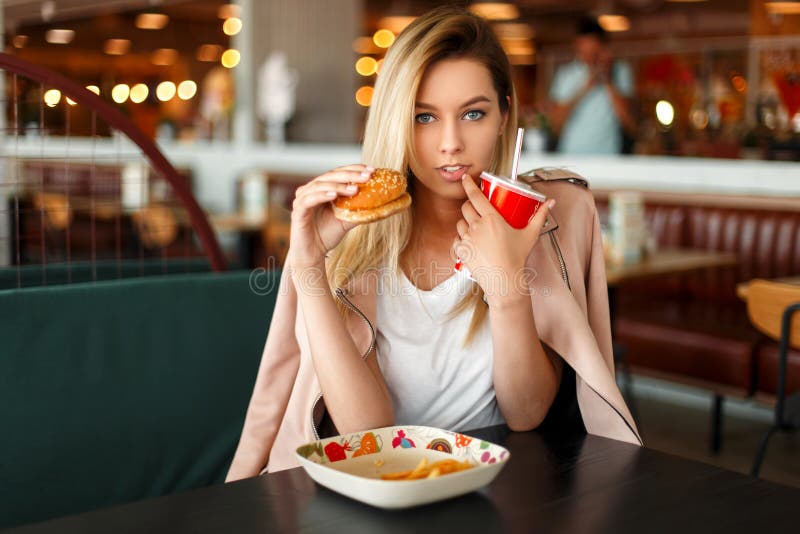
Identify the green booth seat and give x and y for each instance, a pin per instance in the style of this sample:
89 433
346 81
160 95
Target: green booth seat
12 277
118 391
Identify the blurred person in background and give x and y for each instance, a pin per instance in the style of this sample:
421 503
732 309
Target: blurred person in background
592 110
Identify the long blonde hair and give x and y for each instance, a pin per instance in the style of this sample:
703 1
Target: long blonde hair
443 33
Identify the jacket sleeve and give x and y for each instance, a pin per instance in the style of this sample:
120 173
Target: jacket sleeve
597 293
276 375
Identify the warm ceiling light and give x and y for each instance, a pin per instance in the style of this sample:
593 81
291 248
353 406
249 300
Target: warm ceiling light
70 101
19 41
614 23
513 30
228 11
395 23
364 96
230 58
94 89
495 10
518 47
187 89
209 52
383 38
366 66
120 93
232 26
117 47
665 113
165 91
52 97
59 36
365 45
164 57
139 93
783 8
151 21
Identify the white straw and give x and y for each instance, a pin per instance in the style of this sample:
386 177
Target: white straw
517 150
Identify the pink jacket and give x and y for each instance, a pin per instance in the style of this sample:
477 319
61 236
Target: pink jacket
286 404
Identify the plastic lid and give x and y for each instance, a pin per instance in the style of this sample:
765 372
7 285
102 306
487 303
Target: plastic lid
519 187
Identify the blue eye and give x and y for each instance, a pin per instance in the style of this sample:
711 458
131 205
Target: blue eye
424 118
474 114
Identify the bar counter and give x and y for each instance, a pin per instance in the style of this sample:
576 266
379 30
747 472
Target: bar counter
217 165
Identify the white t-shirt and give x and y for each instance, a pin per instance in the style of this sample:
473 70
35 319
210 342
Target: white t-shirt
592 127
434 380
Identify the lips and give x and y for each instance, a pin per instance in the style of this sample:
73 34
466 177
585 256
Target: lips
453 173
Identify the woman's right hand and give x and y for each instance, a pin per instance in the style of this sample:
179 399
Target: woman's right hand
315 230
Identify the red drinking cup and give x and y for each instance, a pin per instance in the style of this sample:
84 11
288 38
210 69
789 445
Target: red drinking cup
516 201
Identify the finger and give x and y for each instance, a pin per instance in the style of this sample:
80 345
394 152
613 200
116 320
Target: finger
341 189
355 167
315 199
314 194
478 200
462 228
469 212
345 176
536 223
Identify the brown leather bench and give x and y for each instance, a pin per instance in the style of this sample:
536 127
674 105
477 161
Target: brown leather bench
692 328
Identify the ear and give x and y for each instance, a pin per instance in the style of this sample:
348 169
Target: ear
505 116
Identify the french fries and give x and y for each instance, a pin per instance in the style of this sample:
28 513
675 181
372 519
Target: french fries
434 470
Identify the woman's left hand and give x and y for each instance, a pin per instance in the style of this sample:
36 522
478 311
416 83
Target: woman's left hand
494 251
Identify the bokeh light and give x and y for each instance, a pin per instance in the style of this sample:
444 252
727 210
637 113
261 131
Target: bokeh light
364 95
120 93
230 58
665 112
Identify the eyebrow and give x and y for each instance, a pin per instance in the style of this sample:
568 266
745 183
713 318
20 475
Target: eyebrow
469 102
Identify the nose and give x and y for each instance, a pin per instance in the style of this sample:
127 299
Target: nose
451 141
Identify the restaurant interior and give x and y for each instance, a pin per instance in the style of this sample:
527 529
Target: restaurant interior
150 151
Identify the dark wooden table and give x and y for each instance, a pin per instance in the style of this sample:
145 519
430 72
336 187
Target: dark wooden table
666 262
551 484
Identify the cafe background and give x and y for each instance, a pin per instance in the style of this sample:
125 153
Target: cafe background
717 101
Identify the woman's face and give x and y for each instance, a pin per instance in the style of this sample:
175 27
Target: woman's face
457 122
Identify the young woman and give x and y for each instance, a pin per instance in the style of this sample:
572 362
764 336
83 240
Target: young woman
373 328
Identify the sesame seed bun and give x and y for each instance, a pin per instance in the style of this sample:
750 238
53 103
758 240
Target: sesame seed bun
383 195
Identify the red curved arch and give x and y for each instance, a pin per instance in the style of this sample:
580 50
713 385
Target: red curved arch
112 116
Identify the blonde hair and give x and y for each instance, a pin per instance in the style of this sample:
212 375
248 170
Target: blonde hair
443 33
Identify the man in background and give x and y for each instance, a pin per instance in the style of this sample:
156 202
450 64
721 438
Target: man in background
591 96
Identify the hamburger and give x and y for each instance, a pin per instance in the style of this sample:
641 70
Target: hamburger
384 194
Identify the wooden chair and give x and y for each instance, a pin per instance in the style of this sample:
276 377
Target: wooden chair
57 215
771 307
156 226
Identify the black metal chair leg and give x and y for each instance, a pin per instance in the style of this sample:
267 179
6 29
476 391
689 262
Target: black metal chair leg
716 425
762 450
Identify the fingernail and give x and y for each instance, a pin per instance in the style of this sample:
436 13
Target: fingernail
370 169
366 174
352 188
330 194
551 203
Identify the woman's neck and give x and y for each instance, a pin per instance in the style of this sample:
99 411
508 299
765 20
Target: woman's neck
435 215
427 260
